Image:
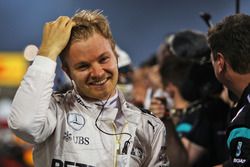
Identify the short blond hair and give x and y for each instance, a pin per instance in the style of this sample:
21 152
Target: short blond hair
87 23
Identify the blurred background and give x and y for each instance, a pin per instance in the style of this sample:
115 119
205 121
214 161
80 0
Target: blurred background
138 26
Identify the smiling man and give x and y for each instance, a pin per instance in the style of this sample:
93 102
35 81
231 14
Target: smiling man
92 64
92 124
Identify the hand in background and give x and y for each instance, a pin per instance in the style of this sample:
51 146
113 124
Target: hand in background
158 107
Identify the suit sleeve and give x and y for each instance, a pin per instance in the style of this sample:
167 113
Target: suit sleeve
238 140
33 115
159 148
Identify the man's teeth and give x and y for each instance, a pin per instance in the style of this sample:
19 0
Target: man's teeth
99 82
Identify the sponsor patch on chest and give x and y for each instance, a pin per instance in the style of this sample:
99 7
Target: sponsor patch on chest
70 138
76 121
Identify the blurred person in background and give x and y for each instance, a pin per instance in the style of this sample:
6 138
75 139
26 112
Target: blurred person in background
176 73
62 82
92 124
142 81
147 84
199 115
229 41
190 44
126 70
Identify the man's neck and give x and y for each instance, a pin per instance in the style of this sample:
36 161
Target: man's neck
109 101
238 83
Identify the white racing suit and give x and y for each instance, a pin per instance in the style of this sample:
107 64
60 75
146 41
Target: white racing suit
63 131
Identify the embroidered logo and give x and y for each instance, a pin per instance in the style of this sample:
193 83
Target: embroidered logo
67 136
138 152
163 154
75 121
238 149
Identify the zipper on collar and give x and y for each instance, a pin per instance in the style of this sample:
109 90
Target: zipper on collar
118 137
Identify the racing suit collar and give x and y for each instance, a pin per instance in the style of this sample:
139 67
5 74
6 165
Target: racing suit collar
116 103
132 114
111 103
92 108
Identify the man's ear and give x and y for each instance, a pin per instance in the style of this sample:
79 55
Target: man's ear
221 63
66 70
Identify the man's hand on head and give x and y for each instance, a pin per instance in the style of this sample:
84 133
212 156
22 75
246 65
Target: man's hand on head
56 35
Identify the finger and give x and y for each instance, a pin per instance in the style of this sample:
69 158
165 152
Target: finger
156 101
60 21
157 108
70 24
158 114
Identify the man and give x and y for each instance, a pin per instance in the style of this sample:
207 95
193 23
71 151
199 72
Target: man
230 55
201 140
125 69
91 125
192 115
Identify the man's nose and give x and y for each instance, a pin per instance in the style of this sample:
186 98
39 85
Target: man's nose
97 70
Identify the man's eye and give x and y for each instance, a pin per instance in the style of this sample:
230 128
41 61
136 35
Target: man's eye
83 67
104 59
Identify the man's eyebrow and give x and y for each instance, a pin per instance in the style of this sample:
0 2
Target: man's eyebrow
80 64
103 54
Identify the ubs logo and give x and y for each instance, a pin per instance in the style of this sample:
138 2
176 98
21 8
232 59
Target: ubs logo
68 137
75 121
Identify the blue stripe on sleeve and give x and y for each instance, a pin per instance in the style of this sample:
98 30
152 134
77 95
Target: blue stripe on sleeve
238 132
184 127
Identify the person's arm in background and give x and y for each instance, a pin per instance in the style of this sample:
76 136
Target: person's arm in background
178 155
33 117
194 151
181 151
176 151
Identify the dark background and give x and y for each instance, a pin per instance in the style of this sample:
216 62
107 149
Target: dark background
138 25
